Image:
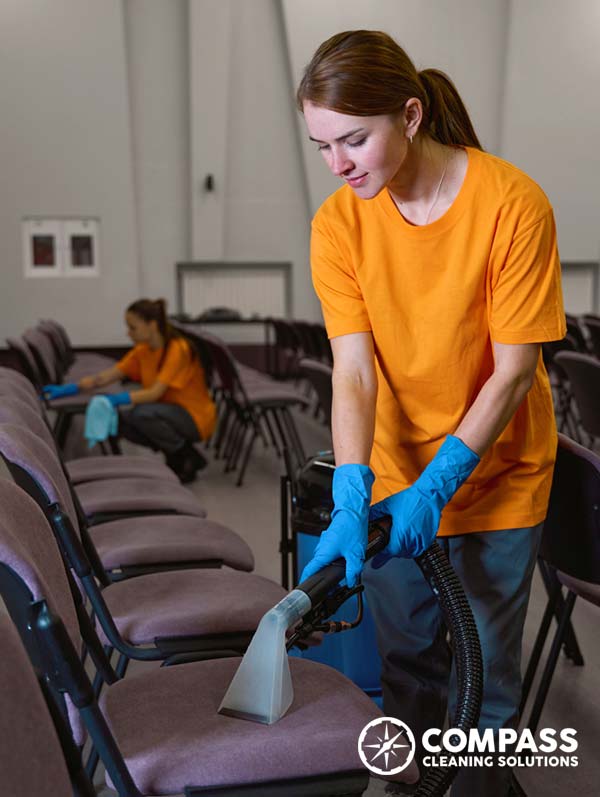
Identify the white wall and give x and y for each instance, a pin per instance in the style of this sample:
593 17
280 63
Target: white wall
119 108
244 134
551 119
157 37
65 150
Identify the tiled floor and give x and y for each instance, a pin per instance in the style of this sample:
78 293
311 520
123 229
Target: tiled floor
574 700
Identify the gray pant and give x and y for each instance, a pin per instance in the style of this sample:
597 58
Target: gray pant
418 677
158 425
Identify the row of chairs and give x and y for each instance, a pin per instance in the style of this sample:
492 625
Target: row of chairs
573 365
296 339
251 404
583 332
73 601
45 355
160 733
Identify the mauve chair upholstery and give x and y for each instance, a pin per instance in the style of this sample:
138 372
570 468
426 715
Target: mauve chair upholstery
585 589
16 377
189 603
170 604
81 469
39 460
31 759
89 469
137 495
150 540
177 738
169 538
31 552
123 495
165 720
88 363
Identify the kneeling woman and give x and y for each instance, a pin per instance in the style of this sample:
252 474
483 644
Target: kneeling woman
173 409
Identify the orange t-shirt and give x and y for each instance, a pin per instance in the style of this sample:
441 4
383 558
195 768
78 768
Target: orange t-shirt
435 298
183 376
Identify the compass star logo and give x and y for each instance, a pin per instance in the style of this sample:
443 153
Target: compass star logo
386 746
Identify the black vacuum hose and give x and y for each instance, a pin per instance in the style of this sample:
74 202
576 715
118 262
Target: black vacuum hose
448 590
446 586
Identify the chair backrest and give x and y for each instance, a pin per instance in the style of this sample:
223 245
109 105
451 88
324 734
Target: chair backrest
37 593
16 378
32 570
31 758
51 329
592 325
19 413
574 329
308 338
225 367
25 394
571 536
583 372
324 343
66 341
27 361
45 355
44 478
319 375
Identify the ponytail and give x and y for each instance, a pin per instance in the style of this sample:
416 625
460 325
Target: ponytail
366 73
446 119
156 310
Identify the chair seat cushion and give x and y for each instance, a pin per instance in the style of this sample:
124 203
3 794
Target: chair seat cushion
87 363
189 603
275 395
89 469
137 495
169 539
585 589
176 738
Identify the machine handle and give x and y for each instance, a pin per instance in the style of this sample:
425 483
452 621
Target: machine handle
318 586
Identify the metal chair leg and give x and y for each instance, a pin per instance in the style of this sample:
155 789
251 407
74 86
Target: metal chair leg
538 647
570 645
546 680
246 458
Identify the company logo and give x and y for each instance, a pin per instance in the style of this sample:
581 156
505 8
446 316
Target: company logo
386 746
505 748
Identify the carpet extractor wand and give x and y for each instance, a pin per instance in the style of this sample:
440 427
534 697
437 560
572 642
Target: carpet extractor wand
261 689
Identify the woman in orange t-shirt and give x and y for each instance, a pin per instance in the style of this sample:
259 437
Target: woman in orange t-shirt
173 409
437 269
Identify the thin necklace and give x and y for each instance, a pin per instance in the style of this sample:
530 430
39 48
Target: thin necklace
437 193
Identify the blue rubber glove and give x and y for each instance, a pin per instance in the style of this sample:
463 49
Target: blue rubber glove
347 533
416 511
51 392
118 399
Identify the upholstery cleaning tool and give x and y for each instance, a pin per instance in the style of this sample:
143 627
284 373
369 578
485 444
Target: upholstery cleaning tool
261 689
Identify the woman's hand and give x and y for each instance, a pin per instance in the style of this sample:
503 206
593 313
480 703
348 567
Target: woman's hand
347 535
416 511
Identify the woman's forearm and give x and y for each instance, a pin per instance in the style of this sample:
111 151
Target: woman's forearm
497 402
353 419
100 379
500 396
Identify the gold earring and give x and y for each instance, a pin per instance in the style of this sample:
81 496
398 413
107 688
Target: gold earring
410 138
